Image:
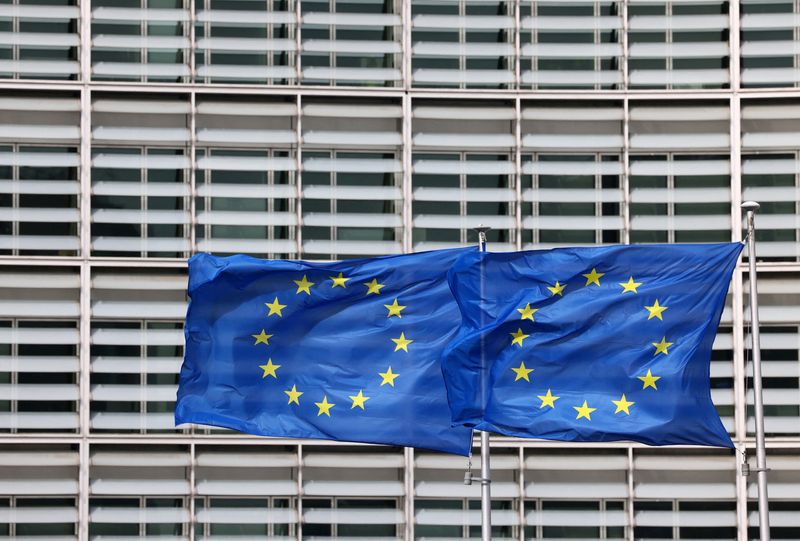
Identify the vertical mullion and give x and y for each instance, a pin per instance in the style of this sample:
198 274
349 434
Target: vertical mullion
298 176
626 172
85 30
734 46
406 43
192 492
521 488
298 45
517 45
193 173
518 165
407 188
192 41
408 483
299 524
623 61
631 496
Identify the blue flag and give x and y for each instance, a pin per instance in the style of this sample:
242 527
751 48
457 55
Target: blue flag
344 351
590 344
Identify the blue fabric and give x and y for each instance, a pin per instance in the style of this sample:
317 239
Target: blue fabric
591 344
330 342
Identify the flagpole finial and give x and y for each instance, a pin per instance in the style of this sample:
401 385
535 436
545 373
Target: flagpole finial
750 206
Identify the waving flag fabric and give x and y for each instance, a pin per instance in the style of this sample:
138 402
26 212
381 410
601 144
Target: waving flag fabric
590 344
344 351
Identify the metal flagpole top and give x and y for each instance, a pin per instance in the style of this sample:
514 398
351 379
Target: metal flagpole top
750 206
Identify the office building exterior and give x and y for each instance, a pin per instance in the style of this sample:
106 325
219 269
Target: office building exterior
134 133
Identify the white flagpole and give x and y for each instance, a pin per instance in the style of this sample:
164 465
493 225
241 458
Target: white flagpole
761 451
486 476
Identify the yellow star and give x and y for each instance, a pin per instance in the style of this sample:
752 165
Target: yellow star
269 369
661 347
339 281
293 394
402 342
394 309
262 338
388 377
519 336
557 289
623 405
649 380
630 285
522 372
655 311
275 307
324 406
548 399
527 312
373 287
584 411
593 277
303 286
358 400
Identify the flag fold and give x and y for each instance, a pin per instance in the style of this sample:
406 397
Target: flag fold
590 344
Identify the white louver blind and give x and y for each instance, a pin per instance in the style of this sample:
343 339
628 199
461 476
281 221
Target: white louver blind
564 476
140 190
351 42
39 40
571 45
680 198
28 471
52 119
40 190
769 47
440 506
39 350
463 44
136 358
722 371
701 476
453 189
246 193
245 42
571 182
138 489
144 43
778 296
678 44
770 169
340 217
667 127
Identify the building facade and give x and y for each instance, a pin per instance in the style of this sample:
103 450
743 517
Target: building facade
134 133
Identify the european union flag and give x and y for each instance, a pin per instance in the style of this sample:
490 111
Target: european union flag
590 344
344 351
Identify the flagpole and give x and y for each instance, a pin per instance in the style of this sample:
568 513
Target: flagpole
761 451
486 476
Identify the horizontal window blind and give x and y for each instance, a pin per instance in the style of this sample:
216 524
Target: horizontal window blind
678 45
245 42
143 43
571 45
462 44
35 471
351 43
135 324
39 40
680 198
39 350
768 46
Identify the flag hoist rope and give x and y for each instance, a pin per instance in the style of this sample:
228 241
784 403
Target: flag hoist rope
761 451
485 478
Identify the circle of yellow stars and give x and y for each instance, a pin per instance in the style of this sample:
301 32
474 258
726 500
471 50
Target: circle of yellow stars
304 286
584 411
